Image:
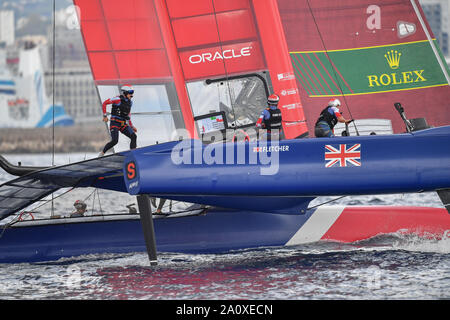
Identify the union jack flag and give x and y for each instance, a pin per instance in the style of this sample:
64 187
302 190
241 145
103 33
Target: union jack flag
342 156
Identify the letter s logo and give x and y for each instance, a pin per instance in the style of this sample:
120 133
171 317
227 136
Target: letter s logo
131 170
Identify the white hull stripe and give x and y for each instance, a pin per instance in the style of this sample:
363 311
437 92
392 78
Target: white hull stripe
317 225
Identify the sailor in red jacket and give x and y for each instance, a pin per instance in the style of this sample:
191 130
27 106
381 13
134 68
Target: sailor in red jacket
120 118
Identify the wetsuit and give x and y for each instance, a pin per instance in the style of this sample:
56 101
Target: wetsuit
326 122
120 121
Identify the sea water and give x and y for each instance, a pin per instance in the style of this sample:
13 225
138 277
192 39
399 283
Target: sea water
393 266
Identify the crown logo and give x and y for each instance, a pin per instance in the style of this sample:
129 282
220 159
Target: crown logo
393 58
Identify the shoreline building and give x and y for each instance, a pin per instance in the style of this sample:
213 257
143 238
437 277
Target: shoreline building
75 89
7 30
437 13
71 75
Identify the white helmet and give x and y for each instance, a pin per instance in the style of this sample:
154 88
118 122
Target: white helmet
334 103
127 89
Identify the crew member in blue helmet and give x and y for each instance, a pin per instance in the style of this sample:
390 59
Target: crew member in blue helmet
271 119
120 118
328 118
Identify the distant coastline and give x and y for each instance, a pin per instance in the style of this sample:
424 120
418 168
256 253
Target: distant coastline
79 138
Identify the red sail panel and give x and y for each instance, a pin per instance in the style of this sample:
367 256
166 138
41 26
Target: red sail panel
132 43
123 45
218 38
345 24
369 55
180 41
215 38
209 62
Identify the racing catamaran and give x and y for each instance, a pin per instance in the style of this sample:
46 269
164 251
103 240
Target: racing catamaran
204 69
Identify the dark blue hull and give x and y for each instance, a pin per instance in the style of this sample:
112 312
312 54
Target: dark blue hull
215 232
283 177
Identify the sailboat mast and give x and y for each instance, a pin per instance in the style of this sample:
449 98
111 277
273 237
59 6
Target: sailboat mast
53 97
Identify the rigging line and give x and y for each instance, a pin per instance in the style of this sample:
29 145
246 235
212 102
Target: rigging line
53 93
332 66
93 202
430 40
116 66
225 68
99 202
3 230
16 218
182 211
53 82
13 221
88 196
321 204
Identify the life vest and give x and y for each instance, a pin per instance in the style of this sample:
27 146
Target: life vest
328 117
123 109
274 122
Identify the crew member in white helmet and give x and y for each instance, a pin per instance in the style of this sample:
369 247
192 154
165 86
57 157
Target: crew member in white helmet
120 118
328 118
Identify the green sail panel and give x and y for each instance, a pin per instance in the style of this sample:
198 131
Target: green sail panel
358 71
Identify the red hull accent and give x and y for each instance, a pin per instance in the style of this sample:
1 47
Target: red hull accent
359 223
